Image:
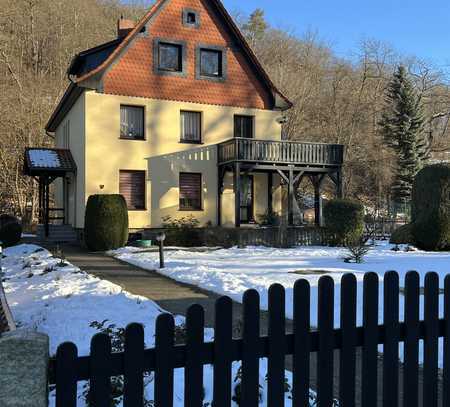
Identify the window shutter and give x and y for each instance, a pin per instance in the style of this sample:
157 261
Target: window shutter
190 191
132 187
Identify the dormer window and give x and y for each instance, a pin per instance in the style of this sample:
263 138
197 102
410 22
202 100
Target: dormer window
169 57
211 63
191 18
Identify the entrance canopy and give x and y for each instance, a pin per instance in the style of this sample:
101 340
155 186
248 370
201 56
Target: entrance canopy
45 165
48 162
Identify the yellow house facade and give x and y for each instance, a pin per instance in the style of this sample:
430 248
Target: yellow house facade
93 128
177 115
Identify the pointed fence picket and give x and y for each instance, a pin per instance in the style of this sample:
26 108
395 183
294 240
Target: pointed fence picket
67 369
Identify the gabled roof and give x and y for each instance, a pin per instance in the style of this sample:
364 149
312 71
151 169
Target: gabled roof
94 61
280 99
48 161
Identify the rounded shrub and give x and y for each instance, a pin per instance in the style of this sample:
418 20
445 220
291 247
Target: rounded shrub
10 230
106 222
344 220
403 235
430 212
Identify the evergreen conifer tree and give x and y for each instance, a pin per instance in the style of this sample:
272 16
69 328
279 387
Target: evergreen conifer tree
256 26
403 130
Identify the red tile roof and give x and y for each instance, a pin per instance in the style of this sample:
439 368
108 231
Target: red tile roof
240 40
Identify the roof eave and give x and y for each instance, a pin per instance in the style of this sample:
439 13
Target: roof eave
69 98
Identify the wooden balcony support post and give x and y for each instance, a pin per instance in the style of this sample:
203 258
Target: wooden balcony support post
221 176
291 197
270 192
237 194
337 180
317 181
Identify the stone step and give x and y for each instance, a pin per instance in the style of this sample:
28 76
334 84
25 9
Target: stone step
57 233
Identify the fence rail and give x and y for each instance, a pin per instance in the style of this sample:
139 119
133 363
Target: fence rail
285 152
67 368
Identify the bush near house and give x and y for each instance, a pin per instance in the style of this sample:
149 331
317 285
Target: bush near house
431 208
403 235
10 230
106 222
182 231
344 220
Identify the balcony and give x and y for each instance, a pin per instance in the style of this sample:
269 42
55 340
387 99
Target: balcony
280 153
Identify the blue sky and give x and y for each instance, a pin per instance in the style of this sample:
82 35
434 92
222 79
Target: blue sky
412 27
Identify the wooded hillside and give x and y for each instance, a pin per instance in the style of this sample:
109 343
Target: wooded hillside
335 100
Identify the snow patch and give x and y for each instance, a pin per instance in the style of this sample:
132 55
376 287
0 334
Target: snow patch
44 158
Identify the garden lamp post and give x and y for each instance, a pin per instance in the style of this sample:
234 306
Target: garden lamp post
160 239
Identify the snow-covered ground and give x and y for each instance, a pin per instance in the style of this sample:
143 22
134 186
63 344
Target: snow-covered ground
232 271
57 298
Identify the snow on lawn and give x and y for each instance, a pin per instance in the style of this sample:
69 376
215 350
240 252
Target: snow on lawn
55 297
232 271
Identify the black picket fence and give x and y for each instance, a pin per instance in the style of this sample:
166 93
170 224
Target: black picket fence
67 368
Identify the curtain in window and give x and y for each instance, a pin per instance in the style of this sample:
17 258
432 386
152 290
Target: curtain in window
191 126
132 122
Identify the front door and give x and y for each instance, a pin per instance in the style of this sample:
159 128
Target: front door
247 199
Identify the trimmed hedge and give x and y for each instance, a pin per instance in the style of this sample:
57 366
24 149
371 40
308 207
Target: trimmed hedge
10 230
403 235
106 222
344 220
431 208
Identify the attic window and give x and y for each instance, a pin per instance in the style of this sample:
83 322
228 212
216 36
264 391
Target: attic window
191 18
169 57
211 63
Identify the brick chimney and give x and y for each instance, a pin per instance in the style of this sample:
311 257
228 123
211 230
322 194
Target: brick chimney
124 26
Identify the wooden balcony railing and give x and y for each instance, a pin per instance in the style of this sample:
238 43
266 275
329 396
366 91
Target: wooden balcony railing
280 152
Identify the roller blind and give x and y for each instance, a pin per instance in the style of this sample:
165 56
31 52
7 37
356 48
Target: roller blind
132 187
190 191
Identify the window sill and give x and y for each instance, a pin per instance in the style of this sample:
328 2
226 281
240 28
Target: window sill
190 142
132 139
219 79
190 210
164 72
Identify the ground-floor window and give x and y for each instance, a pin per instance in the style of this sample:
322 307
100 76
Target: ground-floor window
132 187
190 191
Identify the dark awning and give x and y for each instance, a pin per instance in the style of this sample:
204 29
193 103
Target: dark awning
48 162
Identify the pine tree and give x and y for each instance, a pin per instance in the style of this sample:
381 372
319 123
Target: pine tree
256 26
402 127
